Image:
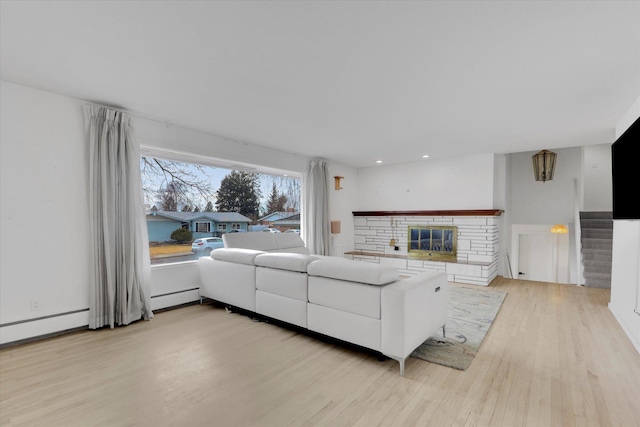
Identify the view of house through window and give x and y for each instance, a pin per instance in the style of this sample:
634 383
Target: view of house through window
190 206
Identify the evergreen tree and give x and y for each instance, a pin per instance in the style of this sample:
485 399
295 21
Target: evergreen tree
276 201
239 192
196 209
186 208
209 207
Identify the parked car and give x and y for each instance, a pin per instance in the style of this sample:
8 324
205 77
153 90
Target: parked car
271 230
293 230
237 231
205 245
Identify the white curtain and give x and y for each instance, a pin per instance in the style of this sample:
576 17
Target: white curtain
316 210
119 287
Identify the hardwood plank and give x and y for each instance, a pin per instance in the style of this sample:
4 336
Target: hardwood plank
554 356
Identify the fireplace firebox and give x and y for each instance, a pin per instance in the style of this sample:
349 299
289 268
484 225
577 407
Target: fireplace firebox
432 242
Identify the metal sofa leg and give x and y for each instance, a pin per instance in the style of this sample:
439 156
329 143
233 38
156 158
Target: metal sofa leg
401 361
401 367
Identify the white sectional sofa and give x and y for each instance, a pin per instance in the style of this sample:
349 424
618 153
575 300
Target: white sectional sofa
361 303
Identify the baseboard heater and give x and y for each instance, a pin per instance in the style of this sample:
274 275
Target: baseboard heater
175 293
42 327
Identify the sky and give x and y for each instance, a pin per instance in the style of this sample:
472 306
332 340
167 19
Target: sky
215 175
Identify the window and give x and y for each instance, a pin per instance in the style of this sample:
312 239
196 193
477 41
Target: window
203 226
208 199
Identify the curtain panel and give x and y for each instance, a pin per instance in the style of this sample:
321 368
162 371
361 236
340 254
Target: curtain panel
120 286
317 208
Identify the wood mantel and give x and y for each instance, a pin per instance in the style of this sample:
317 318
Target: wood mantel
472 212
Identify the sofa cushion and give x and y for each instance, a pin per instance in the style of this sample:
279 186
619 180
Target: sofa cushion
296 250
239 256
252 240
269 242
290 284
285 261
289 242
353 271
352 297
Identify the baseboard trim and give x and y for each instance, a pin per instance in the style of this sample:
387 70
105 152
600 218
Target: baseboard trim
173 299
44 326
619 318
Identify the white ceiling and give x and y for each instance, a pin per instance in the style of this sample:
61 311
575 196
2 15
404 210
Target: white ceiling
352 82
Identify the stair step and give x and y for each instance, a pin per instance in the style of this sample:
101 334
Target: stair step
598 283
597 233
596 223
597 265
597 275
596 229
590 255
601 244
596 215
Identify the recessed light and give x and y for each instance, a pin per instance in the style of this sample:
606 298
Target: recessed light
378 161
425 156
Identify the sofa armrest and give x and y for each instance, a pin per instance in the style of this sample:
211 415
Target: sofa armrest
236 255
228 282
412 310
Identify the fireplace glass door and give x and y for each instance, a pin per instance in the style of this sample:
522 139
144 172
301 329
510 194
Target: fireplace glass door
438 242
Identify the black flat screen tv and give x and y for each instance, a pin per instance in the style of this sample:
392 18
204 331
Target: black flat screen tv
625 170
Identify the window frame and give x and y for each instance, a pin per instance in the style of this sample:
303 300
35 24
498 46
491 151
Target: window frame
229 165
198 223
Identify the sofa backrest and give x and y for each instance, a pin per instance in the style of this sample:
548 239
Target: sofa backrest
268 242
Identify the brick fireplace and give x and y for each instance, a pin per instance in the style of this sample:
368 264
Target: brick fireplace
382 237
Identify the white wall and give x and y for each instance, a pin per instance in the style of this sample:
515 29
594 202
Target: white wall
533 202
179 141
342 203
596 174
174 284
625 274
500 201
43 212
551 202
452 183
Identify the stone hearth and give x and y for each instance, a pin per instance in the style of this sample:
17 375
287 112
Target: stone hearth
381 237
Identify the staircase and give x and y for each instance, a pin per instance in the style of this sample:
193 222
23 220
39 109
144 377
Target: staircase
596 230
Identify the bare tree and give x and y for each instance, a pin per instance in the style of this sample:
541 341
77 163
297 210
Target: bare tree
289 188
190 180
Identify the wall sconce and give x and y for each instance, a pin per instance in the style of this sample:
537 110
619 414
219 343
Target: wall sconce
338 178
559 229
335 227
544 164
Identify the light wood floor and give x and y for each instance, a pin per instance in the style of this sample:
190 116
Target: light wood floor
555 356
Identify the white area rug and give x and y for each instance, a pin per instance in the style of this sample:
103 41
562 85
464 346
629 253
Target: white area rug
470 314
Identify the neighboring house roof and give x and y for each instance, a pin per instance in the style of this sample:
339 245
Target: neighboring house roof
193 216
275 216
290 220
